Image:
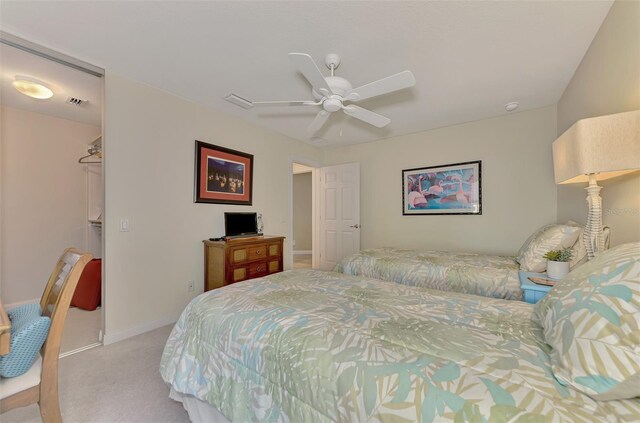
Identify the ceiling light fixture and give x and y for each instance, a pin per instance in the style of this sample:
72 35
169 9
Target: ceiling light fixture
32 87
510 107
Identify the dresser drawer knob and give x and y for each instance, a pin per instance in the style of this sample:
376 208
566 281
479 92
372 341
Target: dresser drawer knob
258 252
258 269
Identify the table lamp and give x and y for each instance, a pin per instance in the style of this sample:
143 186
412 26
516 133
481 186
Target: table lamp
592 150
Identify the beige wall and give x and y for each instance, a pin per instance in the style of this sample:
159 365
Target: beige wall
149 170
302 223
518 192
607 81
44 197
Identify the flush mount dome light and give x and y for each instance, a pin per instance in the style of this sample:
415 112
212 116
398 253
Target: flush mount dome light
32 87
510 107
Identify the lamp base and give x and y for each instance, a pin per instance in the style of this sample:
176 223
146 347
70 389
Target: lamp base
593 234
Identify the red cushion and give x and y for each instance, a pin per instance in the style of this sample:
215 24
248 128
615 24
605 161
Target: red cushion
89 290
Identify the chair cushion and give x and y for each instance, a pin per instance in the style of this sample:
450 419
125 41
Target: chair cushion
591 320
13 385
22 315
29 330
88 293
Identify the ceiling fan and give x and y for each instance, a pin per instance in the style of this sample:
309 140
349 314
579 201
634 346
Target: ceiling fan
332 92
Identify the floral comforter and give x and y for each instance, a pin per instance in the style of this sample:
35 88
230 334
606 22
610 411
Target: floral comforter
312 346
489 276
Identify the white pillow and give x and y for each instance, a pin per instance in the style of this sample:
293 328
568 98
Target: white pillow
555 237
525 246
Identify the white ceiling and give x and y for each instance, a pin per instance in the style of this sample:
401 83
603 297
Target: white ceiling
469 57
64 82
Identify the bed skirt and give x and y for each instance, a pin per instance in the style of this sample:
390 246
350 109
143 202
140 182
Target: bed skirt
199 411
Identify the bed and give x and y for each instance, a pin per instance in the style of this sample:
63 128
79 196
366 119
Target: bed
480 274
486 275
312 346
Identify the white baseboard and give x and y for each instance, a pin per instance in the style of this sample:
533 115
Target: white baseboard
302 251
11 306
110 338
118 336
77 350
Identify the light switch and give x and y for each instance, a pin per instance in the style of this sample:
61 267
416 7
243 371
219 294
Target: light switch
124 225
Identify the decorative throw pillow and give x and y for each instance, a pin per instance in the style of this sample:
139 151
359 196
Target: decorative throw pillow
578 249
29 330
553 237
591 319
525 246
22 314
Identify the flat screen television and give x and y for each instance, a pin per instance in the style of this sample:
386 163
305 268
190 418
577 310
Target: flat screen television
240 224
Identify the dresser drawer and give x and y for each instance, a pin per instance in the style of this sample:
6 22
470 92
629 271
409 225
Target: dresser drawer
274 250
258 269
239 255
253 270
257 251
237 274
274 266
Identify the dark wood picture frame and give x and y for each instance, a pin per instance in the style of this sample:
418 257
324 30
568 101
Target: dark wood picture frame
222 175
440 190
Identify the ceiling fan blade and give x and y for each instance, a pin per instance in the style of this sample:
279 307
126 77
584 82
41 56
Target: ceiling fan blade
366 116
318 122
382 86
309 69
285 103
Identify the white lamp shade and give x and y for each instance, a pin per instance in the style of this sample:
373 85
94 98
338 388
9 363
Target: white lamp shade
605 145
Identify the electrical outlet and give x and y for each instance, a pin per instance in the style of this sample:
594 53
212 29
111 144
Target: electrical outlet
191 286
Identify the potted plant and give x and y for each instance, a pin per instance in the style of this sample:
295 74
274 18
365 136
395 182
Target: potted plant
558 262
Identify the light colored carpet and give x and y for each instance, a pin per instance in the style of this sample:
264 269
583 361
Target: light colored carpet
82 328
302 261
117 383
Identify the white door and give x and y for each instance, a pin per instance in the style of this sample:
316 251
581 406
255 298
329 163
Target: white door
339 213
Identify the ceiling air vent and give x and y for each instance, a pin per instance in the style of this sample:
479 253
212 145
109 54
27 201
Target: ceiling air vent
76 101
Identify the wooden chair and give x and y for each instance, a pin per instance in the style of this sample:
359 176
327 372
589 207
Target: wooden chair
40 383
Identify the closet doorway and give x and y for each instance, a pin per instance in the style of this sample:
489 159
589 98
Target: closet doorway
52 194
302 234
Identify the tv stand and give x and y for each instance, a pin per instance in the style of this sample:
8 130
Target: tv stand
238 259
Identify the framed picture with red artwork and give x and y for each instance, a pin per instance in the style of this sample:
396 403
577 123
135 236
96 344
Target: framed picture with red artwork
222 175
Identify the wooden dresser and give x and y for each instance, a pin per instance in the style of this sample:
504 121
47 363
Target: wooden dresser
235 260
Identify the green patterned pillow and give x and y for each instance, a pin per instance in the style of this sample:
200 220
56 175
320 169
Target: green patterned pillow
591 319
525 246
551 237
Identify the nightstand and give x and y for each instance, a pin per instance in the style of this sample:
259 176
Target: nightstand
532 292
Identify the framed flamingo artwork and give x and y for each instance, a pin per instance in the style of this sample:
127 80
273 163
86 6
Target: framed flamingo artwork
446 189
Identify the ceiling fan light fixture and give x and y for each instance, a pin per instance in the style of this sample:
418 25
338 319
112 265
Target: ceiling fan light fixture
331 92
32 87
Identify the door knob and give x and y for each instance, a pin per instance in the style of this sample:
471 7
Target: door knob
354 226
